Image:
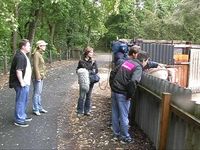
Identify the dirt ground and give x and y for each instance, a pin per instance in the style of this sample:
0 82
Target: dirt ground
94 132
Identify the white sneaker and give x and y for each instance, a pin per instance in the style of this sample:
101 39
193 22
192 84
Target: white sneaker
37 113
43 111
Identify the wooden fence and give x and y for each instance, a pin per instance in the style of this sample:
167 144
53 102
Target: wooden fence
166 114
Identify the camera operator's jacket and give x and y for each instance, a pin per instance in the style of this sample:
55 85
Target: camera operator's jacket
124 77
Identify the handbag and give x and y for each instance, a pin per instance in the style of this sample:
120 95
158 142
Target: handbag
94 78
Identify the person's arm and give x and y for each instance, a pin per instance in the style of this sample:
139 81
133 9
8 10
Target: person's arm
79 65
20 77
82 64
96 67
152 64
137 74
36 66
132 84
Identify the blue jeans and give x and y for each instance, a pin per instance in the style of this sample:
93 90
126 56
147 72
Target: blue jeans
21 101
84 101
37 85
120 110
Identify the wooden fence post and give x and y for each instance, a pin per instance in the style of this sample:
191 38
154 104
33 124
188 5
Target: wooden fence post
164 123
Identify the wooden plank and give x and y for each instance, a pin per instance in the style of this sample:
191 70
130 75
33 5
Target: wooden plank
157 97
164 124
186 116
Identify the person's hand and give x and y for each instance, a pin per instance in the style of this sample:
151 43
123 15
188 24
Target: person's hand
128 99
161 65
23 84
39 78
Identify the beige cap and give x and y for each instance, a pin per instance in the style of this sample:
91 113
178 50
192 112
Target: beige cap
41 42
136 47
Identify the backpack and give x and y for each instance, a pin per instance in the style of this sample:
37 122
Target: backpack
113 74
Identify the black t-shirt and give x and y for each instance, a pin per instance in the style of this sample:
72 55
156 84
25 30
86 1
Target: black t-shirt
19 63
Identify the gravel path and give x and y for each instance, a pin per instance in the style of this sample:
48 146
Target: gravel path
42 132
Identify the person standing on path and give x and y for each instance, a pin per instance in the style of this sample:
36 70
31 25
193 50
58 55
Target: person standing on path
39 72
84 101
123 85
19 79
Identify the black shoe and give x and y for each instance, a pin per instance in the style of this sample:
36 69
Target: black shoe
22 124
28 119
88 114
115 138
127 141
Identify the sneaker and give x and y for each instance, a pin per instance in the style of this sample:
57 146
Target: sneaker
37 113
127 141
43 111
80 115
115 138
22 124
28 119
88 114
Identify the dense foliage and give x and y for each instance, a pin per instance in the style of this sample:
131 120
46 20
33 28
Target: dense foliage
68 24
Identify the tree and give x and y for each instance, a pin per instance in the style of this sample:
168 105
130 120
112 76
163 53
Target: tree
186 19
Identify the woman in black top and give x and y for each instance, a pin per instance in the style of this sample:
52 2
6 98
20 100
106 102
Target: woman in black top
84 101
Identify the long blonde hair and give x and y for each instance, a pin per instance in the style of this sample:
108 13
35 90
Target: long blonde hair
36 49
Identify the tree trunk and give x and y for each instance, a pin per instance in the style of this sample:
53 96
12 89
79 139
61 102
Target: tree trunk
52 31
5 70
35 15
14 34
33 24
89 34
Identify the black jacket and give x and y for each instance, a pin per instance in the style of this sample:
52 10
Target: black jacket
90 65
130 71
